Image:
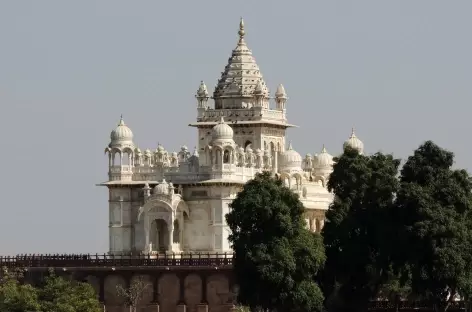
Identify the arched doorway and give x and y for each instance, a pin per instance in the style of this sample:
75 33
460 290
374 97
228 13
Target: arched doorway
159 235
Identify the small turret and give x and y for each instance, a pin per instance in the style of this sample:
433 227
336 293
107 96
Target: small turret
202 95
280 97
258 94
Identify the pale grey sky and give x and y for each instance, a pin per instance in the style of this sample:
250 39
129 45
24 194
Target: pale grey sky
399 71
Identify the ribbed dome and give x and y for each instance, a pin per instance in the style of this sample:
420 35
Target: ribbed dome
162 188
122 134
291 159
222 131
354 143
323 159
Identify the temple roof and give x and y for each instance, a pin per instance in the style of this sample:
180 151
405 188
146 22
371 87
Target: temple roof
241 76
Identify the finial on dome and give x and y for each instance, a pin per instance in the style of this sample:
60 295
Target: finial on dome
122 122
290 145
353 132
241 31
323 150
222 120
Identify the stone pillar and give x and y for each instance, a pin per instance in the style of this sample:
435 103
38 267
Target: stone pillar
275 169
101 291
231 308
171 235
321 224
181 308
202 307
154 307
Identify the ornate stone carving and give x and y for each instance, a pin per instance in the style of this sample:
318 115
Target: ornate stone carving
216 171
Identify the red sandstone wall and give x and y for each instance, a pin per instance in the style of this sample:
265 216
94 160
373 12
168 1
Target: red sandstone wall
217 293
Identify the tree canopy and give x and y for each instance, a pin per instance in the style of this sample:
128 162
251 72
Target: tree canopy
277 259
388 234
357 233
433 217
54 294
17 297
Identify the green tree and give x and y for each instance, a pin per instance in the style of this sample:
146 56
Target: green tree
433 217
15 296
358 232
58 294
276 257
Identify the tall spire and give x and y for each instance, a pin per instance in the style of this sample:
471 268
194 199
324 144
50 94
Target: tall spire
241 74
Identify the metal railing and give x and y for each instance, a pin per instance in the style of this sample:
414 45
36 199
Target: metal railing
106 260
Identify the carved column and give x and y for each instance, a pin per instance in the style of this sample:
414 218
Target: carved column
171 234
146 231
181 232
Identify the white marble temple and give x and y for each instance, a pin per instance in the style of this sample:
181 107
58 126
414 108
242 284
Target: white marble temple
177 202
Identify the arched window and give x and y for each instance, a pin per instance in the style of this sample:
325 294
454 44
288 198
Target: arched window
226 157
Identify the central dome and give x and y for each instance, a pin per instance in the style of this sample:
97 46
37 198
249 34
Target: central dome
222 131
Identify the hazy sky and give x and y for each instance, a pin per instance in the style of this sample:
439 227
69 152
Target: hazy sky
399 71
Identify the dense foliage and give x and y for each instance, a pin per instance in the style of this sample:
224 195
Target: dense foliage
55 294
277 258
357 234
433 216
389 234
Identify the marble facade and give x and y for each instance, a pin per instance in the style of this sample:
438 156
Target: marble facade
162 201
